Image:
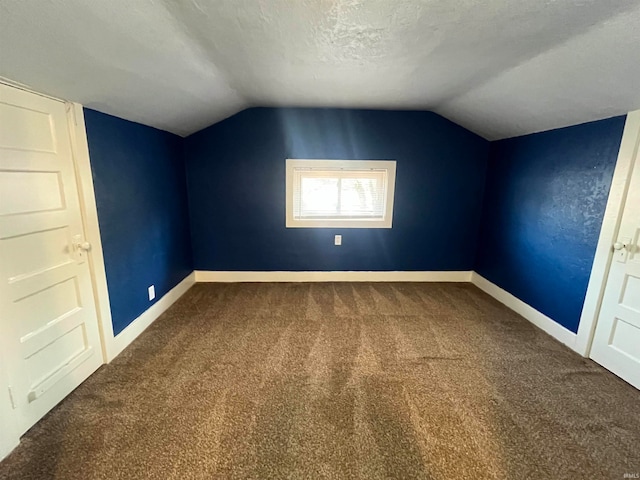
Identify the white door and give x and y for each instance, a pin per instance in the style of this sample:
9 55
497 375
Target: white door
48 322
616 344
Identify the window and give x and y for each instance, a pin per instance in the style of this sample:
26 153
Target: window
340 193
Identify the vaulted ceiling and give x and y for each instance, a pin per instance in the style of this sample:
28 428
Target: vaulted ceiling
498 67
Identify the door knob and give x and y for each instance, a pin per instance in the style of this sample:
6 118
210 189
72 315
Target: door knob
622 249
86 246
79 244
80 247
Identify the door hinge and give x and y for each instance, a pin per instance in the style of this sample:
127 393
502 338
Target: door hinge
13 402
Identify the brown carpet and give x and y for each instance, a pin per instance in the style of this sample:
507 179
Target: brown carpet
339 381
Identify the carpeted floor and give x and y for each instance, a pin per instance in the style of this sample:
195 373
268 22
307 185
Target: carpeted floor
339 381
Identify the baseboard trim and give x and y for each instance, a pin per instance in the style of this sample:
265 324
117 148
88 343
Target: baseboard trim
140 324
129 334
354 276
539 319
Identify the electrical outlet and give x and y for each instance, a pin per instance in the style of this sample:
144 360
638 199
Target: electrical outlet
337 240
152 292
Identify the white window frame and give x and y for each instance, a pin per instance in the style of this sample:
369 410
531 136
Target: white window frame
356 165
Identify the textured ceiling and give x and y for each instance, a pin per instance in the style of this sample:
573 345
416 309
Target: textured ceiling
500 68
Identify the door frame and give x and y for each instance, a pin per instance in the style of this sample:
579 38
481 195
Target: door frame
84 181
608 233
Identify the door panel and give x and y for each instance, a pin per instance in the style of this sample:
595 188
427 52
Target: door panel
34 252
39 137
30 191
48 320
56 302
616 344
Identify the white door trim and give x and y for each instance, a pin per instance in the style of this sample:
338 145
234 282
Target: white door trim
608 234
80 148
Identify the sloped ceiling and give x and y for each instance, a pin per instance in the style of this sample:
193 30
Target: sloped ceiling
500 68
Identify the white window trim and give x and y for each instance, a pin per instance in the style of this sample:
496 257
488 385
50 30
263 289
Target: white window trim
386 222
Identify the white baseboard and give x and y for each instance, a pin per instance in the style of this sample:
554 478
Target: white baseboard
363 276
539 319
135 328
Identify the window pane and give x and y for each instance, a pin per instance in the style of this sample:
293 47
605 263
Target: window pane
319 196
340 193
360 197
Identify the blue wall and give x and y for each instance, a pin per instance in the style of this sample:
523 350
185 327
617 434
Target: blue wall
545 199
236 179
140 186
